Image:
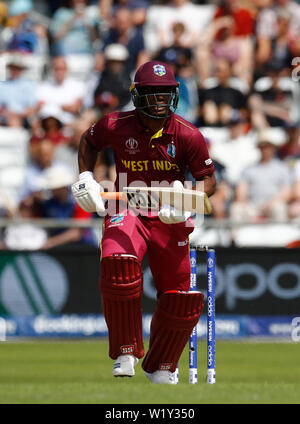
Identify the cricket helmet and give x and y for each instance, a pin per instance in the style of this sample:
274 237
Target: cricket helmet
154 76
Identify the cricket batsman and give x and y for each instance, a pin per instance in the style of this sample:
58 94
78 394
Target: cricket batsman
151 144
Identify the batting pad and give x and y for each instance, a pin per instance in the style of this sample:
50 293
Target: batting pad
121 287
174 318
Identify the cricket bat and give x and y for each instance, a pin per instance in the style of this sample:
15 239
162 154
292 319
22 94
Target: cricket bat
153 197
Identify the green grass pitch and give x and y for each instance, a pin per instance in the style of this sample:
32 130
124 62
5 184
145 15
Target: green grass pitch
80 372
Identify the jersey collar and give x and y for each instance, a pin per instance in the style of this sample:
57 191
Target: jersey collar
169 127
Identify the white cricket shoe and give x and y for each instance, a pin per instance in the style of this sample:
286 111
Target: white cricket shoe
124 366
162 377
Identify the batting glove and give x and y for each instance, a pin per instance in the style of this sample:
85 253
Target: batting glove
170 215
86 192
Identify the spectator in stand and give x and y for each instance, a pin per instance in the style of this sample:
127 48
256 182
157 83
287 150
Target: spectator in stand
221 95
243 16
221 40
266 30
60 204
264 188
138 10
177 53
180 11
62 92
115 79
49 126
26 31
23 37
238 142
281 53
276 49
274 101
75 28
18 95
53 200
42 159
123 31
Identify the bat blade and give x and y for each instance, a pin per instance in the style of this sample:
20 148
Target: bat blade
141 200
184 200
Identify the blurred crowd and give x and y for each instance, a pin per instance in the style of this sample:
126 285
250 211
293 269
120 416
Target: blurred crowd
64 64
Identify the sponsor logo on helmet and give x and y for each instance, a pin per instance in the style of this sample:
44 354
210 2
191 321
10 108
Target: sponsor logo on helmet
159 70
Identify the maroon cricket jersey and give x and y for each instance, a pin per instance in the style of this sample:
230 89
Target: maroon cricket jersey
150 158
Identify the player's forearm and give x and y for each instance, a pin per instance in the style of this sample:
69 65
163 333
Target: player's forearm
207 184
87 156
210 184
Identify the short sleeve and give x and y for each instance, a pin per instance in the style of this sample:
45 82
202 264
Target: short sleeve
198 159
98 134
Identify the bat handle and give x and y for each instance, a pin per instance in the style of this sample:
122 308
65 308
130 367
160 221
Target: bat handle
112 195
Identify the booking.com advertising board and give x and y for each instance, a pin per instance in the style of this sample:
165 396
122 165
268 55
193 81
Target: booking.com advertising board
55 293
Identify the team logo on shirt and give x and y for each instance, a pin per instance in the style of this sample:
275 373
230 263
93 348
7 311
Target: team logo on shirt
171 150
159 70
132 146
